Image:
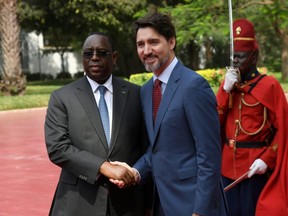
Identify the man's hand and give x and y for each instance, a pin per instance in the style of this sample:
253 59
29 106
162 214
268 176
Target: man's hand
258 167
122 184
231 77
118 172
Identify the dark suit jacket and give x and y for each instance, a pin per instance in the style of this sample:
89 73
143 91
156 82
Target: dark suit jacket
184 156
76 142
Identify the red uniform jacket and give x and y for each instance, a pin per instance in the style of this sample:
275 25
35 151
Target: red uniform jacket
269 94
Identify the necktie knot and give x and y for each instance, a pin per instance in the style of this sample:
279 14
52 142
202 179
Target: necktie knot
157 83
102 89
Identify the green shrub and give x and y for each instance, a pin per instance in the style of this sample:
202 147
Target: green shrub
38 76
263 70
63 75
140 78
78 75
216 76
213 76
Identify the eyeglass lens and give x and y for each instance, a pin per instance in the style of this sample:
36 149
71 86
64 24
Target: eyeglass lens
99 54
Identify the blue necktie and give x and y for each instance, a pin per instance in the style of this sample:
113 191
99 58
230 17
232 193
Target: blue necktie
104 113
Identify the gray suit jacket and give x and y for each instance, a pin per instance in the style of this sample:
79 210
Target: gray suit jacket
75 141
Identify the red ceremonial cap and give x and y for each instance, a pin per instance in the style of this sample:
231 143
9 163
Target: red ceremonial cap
244 36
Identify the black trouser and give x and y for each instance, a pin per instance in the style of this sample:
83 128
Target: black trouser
242 199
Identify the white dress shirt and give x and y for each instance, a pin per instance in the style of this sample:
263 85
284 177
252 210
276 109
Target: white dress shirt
108 96
165 75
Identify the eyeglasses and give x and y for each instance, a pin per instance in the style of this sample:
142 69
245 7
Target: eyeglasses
99 54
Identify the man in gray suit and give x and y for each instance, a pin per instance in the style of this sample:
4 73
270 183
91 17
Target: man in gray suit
76 140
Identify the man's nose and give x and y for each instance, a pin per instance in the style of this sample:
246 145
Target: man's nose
147 49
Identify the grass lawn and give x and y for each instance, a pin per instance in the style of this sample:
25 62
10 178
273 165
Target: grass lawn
38 93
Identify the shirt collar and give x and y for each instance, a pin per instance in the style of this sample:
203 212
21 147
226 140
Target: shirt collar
94 85
164 76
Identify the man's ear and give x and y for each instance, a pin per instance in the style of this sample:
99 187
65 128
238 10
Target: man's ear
114 56
172 43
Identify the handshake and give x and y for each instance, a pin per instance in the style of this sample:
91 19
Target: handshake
120 173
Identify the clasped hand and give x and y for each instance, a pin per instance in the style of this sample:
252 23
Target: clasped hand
124 175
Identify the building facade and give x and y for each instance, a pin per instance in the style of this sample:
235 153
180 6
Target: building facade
35 57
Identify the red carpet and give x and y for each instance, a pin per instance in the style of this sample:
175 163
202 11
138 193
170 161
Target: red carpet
28 179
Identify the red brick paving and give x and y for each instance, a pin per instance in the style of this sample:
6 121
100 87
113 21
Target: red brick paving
28 179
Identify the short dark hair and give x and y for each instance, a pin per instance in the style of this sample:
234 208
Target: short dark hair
105 35
162 23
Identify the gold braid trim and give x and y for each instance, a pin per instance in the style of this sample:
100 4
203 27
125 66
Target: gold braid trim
244 38
251 105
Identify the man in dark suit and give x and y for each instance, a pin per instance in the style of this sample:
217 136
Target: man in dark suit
76 140
184 156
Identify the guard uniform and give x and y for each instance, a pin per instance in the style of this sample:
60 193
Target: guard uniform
253 118
249 129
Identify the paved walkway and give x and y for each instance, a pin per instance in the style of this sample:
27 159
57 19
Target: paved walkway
28 178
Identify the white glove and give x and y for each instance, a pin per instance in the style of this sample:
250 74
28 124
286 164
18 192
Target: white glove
258 167
231 78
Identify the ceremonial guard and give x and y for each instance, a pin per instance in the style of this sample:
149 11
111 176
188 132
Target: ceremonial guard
253 115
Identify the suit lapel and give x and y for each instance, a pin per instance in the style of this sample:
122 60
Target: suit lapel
167 97
120 95
85 96
148 107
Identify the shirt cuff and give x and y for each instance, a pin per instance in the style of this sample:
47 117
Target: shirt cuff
137 175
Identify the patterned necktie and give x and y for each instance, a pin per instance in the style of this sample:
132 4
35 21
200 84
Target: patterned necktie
156 97
104 113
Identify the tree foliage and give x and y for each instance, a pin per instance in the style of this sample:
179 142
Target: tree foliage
205 24
202 27
197 29
68 22
272 20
